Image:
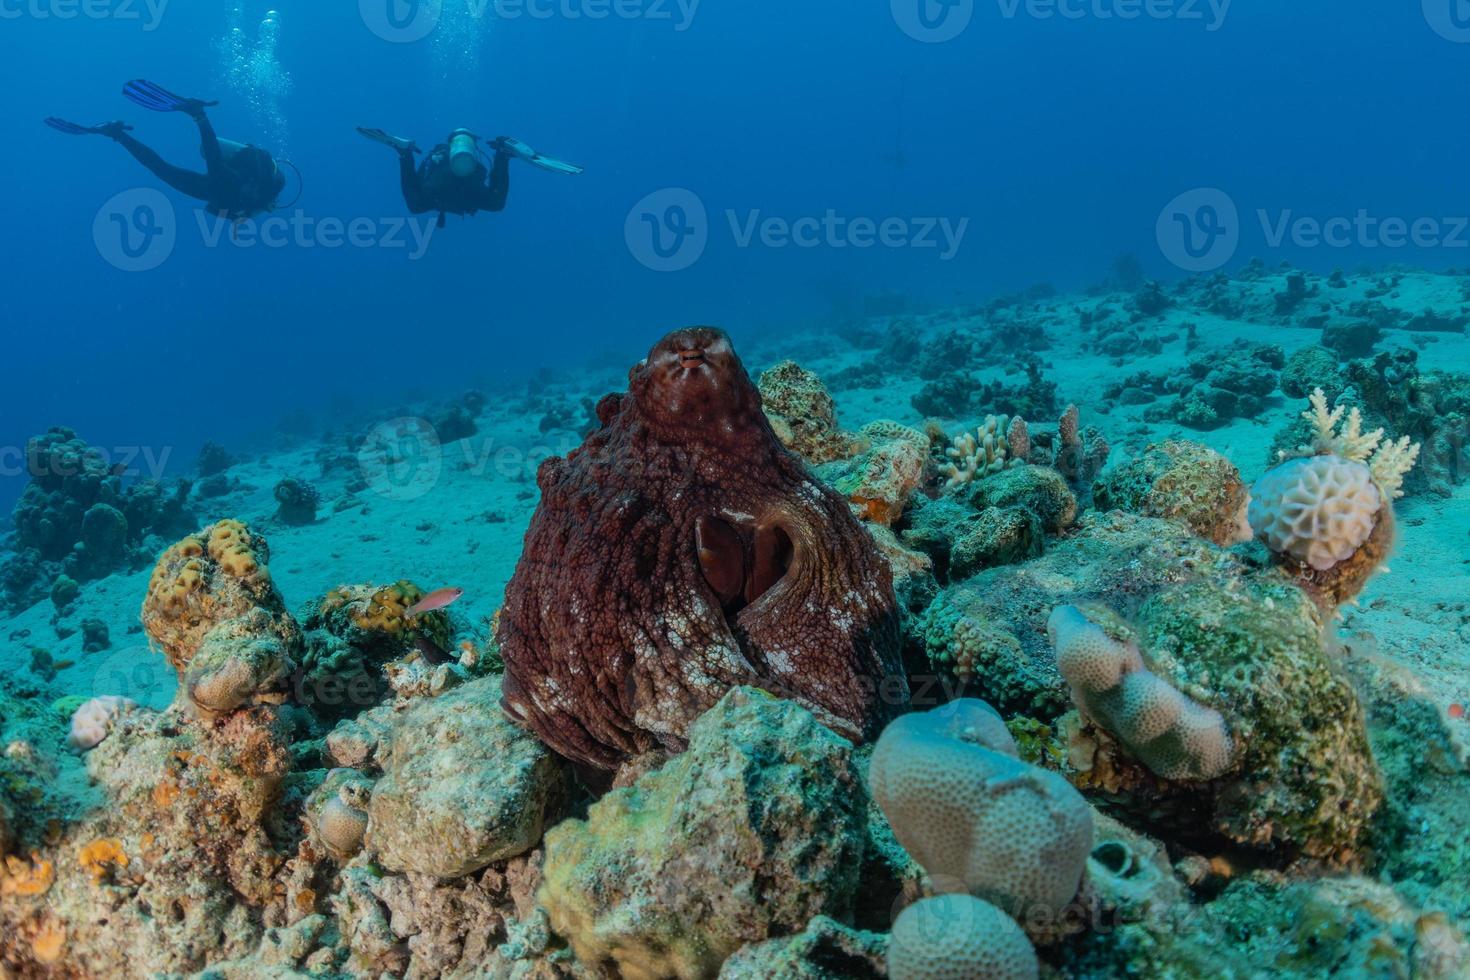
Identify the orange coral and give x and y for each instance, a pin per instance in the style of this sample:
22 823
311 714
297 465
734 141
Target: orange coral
49 940
27 878
101 856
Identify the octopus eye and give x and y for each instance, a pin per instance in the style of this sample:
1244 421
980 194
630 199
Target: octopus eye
692 357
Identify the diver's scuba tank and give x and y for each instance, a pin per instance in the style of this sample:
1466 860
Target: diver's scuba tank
464 152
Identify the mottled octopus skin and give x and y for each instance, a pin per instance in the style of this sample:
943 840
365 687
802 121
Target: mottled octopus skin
681 551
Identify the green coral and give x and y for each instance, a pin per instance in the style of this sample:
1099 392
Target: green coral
1042 490
1181 481
1305 778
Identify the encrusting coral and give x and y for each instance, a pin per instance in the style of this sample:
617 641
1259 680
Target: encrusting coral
1172 735
682 551
1327 515
1182 481
744 837
803 415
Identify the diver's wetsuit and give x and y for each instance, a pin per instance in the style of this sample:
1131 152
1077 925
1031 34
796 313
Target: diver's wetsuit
432 186
224 188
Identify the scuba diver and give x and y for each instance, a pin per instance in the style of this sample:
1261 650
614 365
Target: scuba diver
453 178
240 180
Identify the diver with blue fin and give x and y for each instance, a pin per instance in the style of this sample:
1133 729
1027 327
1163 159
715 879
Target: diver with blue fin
453 177
239 181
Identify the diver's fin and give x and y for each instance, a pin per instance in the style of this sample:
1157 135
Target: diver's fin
159 99
516 148
397 142
556 166
113 129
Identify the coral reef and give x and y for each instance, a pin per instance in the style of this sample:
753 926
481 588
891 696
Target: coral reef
746 836
1182 481
694 549
803 414
216 575
881 481
1244 642
76 518
298 502
998 444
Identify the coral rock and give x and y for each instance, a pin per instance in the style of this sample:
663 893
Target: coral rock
754 830
207 578
803 414
824 949
461 786
1182 481
681 551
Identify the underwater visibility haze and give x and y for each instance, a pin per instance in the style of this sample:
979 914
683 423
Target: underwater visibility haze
672 489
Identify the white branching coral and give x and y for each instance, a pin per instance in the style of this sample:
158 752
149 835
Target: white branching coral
999 444
1388 461
1391 463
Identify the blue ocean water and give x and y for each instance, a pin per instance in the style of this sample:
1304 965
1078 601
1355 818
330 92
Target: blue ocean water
1052 133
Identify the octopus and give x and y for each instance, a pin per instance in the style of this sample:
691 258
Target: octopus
681 551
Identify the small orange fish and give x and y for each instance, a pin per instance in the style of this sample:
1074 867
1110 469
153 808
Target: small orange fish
1457 711
437 599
